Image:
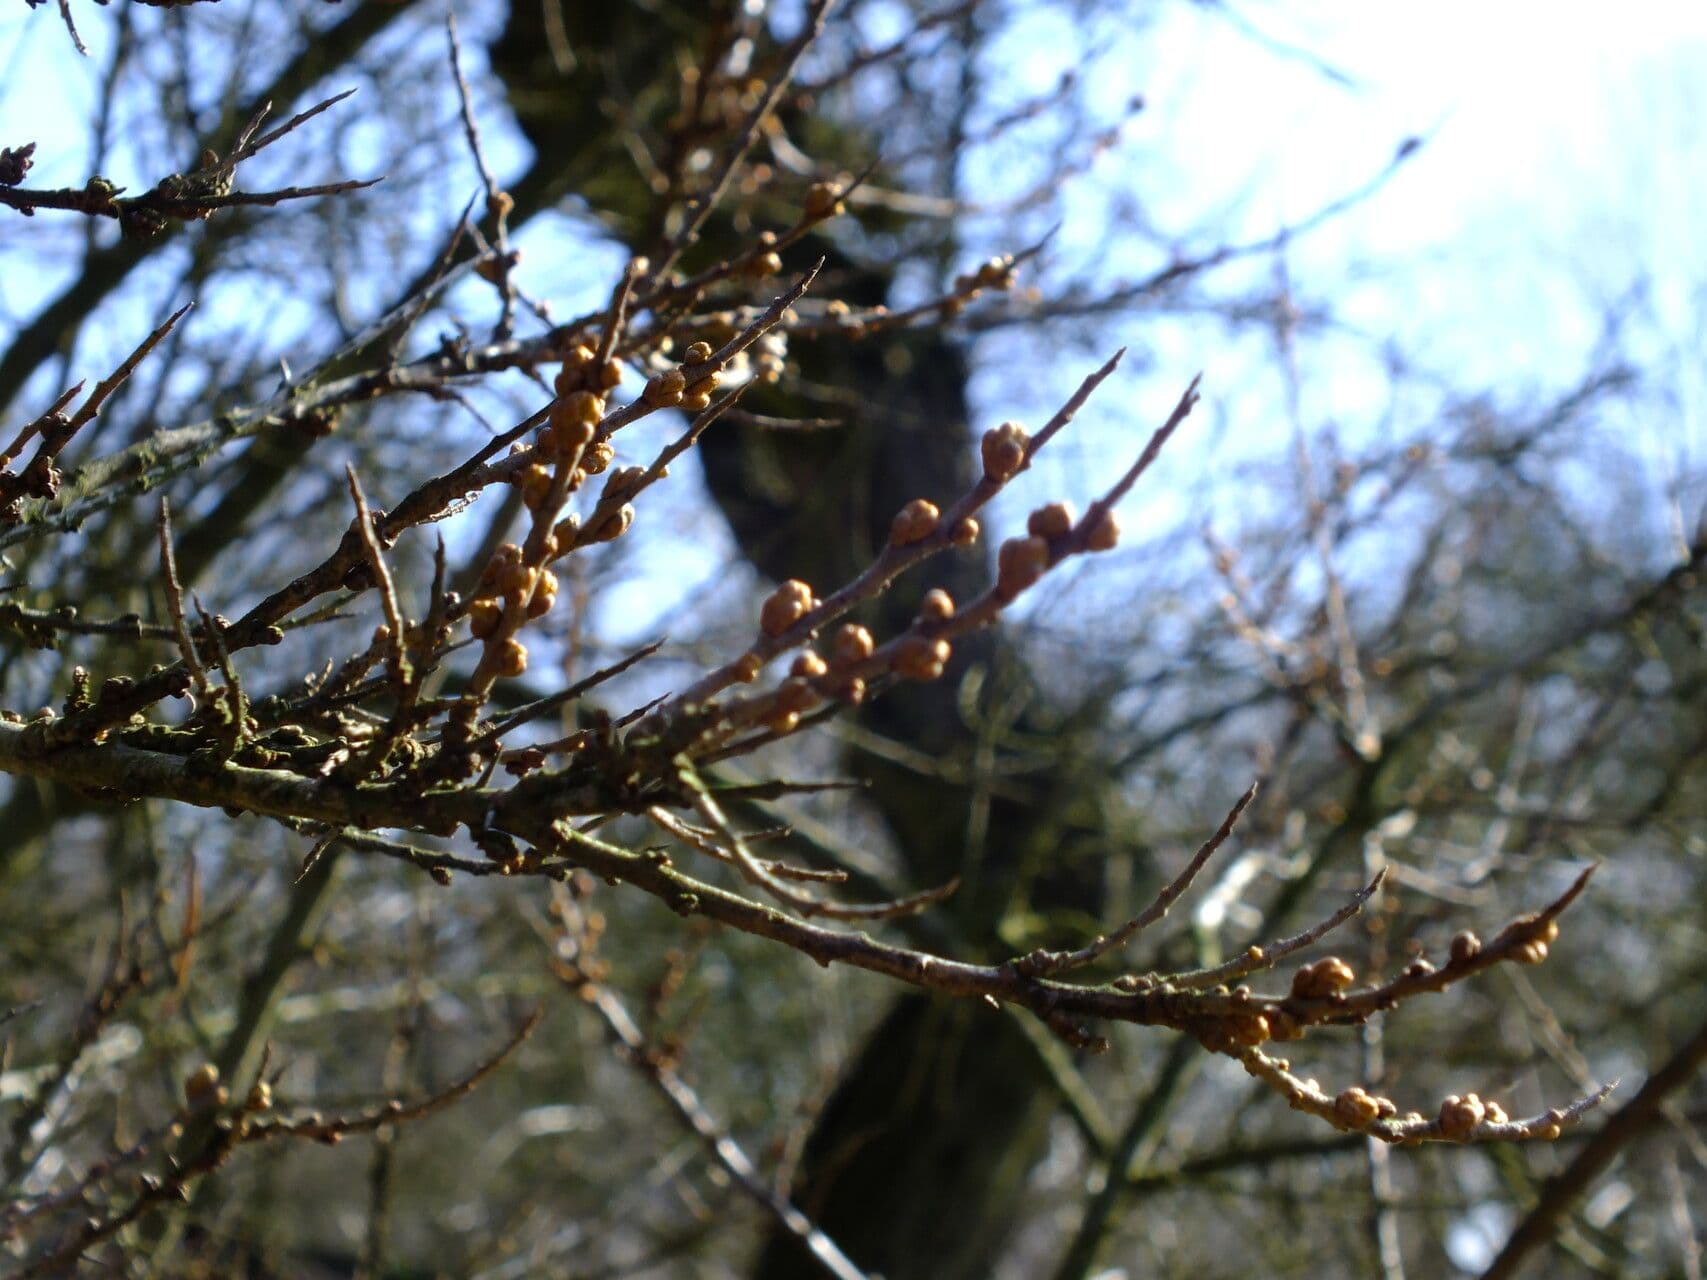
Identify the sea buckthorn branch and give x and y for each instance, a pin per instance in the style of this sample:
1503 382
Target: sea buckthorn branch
726 844
1041 962
192 196
231 1125
699 207
41 479
516 584
1463 1118
1233 1023
793 615
1256 958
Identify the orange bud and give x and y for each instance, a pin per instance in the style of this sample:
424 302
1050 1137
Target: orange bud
937 605
1020 562
1104 535
1003 450
664 389
920 658
823 200
914 523
853 643
512 658
1051 522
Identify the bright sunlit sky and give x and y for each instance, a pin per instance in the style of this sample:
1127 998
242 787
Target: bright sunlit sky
1563 176
1564 173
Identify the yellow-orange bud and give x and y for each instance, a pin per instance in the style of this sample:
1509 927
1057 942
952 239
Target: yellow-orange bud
1325 977
1355 1108
765 264
697 397
937 605
598 457
823 200
1020 562
1003 450
920 658
1104 535
535 486
808 665
784 607
1459 1115
512 658
578 408
1052 521
614 525
853 643
544 594
914 523
483 616
664 389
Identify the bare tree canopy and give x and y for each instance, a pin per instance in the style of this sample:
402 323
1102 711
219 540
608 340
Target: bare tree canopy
503 558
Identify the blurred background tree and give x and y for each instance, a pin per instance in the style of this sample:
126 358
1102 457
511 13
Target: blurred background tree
1462 643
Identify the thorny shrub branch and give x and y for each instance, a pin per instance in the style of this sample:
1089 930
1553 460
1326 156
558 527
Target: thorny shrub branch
375 745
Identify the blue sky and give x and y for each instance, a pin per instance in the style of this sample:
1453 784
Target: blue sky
1563 176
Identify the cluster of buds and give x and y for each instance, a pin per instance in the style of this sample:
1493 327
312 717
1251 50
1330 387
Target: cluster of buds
570 437
767 262
792 697
1020 562
853 645
696 395
914 522
920 657
1459 1115
202 1089
856 325
996 273
785 606
823 200
1356 1107
770 356
810 667
509 590
1533 950
1323 978
1230 1034
1004 451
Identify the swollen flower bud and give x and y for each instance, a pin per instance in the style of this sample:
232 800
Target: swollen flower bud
512 658
1020 562
853 643
1050 522
937 606
920 658
1104 535
664 389
1459 1115
1003 451
1327 976
823 200
808 665
914 523
784 607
